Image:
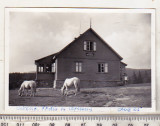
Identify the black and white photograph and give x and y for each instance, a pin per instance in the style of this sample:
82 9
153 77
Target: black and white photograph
80 57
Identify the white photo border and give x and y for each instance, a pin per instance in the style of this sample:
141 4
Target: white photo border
79 110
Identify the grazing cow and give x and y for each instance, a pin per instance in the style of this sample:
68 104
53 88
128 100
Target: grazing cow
69 82
26 85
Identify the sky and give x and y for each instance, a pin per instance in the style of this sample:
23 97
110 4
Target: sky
33 35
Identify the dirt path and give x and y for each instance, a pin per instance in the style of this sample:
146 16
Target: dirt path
123 96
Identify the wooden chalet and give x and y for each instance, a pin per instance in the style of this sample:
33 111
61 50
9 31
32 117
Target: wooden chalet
88 57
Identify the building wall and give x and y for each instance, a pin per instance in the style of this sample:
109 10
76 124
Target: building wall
45 76
67 68
45 79
91 84
89 76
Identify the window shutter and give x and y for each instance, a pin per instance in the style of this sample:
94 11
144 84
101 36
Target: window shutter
94 46
53 67
85 45
106 67
102 68
80 67
99 67
76 66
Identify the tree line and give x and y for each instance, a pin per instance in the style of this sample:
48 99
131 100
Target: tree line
16 79
140 77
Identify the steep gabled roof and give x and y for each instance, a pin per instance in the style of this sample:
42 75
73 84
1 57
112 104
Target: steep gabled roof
90 29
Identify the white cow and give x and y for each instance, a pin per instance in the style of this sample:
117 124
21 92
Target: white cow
26 85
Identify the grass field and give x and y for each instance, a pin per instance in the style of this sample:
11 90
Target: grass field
121 96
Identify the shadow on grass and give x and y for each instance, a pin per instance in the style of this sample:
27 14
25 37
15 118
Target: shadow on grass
43 96
91 92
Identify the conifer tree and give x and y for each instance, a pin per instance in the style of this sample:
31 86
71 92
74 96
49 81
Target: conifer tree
140 80
134 77
146 77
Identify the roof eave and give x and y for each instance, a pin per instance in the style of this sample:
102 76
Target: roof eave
124 63
54 55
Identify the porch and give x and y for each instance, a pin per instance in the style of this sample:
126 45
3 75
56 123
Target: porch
45 74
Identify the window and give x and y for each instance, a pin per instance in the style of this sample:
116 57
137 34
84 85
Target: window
89 46
103 67
40 69
48 68
78 66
